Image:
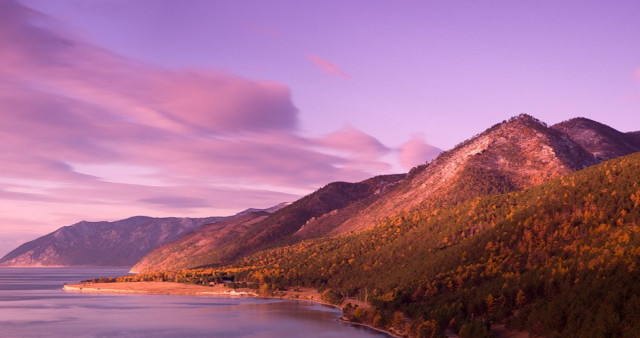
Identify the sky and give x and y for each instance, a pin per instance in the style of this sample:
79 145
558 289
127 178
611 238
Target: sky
113 108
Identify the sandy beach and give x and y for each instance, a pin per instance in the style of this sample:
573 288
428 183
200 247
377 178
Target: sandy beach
158 288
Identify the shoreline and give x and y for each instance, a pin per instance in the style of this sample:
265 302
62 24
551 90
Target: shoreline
370 327
157 288
216 291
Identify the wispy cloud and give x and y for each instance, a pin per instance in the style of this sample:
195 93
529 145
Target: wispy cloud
328 67
91 134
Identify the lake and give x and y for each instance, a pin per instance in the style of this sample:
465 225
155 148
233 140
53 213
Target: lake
32 304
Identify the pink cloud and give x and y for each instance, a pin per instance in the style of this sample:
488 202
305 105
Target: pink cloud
51 63
355 142
213 142
636 74
416 151
327 66
358 149
224 103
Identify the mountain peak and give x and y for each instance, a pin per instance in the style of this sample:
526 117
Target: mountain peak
526 118
521 121
582 122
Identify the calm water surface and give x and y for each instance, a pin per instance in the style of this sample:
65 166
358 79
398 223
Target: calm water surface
33 305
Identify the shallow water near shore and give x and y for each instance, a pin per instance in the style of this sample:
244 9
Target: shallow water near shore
32 304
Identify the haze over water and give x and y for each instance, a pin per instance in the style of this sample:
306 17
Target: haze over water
32 304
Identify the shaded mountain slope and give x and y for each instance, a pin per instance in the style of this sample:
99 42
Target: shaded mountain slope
634 136
600 140
119 243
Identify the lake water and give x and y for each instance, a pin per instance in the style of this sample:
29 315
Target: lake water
32 304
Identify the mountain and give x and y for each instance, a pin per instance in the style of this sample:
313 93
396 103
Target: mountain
522 225
119 243
600 140
560 246
559 259
509 156
253 231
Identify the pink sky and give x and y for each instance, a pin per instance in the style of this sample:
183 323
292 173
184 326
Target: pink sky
114 108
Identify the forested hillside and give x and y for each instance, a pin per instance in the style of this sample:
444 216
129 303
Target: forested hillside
559 260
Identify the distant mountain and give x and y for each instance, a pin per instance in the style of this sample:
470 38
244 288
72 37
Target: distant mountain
253 231
600 140
119 243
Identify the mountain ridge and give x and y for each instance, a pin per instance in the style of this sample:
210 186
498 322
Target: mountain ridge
118 243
